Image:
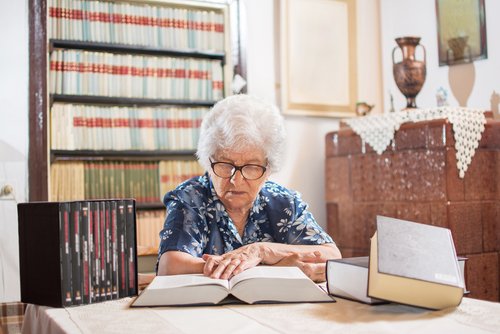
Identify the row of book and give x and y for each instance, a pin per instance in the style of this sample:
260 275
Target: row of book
89 127
92 245
149 225
136 24
77 72
146 181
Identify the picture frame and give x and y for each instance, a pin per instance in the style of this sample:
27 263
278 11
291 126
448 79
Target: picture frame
461 29
316 58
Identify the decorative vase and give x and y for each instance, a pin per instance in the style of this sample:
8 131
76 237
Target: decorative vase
409 73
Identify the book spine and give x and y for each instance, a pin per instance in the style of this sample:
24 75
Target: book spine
122 248
102 252
76 262
131 247
85 244
64 230
92 264
96 271
114 249
108 250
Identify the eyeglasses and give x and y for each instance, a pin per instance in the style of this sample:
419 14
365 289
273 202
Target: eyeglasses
226 170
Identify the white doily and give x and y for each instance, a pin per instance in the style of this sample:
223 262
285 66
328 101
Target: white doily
468 125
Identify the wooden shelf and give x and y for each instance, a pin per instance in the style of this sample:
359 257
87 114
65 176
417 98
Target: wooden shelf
126 101
129 155
150 206
134 49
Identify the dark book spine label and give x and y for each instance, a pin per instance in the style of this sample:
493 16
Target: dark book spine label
131 247
92 267
76 264
65 254
102 251
97 251
108 250
114 249
84 237
122 251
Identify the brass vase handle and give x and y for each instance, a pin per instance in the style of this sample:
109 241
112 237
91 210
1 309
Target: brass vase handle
398 47
394 50
425 60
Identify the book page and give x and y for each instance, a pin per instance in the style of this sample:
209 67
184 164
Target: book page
176 281
267 272
183 290
265 284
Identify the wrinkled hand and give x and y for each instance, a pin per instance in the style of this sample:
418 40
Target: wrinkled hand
232 263
311 263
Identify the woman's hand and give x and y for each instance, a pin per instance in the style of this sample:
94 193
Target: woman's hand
311 263
232 263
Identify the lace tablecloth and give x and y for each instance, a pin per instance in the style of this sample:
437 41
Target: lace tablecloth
471 316
468 125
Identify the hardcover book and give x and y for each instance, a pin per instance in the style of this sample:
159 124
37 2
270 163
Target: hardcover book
260 284
414 264
348 278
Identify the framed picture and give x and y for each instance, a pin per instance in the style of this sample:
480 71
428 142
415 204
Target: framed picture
317 57
461 31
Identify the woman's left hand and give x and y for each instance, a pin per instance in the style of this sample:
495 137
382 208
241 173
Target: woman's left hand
232 263
311 263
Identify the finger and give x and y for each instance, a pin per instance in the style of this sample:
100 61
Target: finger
221 266
210 264
315 257
315 271
229 271
244 265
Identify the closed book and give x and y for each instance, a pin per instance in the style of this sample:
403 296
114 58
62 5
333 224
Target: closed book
260 284
414 264
348 278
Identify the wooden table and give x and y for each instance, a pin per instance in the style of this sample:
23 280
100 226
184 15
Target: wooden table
472 316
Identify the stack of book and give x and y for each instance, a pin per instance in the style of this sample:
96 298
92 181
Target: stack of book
409 263
79 252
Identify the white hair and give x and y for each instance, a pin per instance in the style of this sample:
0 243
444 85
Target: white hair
239 122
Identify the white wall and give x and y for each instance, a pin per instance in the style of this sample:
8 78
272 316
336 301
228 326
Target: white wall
304 167
418 18
13 137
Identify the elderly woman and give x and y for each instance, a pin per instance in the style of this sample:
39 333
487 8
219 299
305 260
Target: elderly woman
233 218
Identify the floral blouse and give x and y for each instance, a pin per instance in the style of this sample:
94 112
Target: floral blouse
197 222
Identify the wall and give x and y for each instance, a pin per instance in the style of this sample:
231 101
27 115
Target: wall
13 137
418 18
304 167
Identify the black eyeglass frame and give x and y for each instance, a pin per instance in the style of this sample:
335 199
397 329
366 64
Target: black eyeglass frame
237 168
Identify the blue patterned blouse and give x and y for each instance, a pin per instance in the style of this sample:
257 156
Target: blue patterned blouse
197 222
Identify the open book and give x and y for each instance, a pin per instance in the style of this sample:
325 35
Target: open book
260 284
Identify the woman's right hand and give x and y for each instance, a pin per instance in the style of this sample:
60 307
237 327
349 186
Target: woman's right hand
232 263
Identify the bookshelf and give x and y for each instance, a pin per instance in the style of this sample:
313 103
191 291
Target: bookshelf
117 93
